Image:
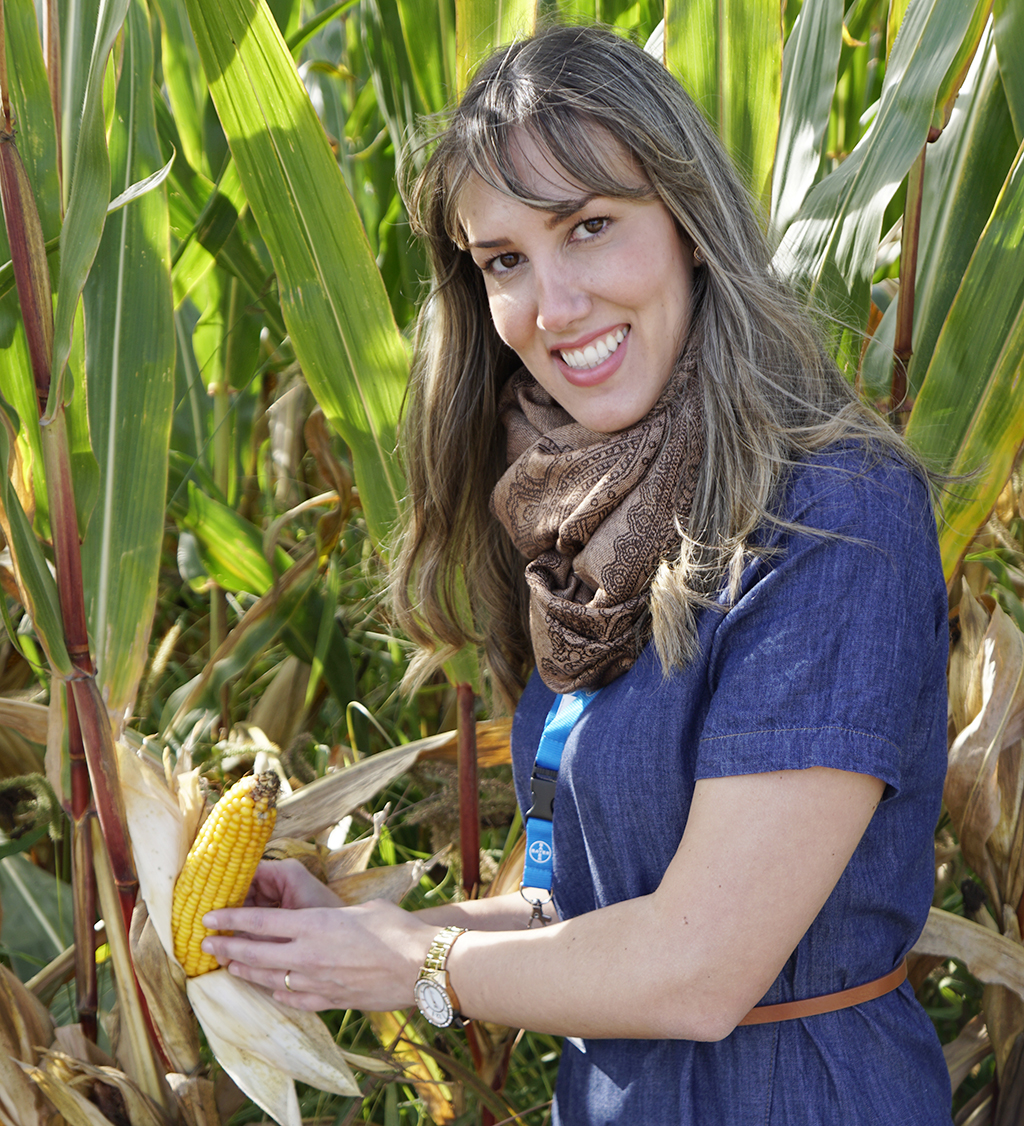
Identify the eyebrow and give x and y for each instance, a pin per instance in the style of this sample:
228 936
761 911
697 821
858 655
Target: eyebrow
559 214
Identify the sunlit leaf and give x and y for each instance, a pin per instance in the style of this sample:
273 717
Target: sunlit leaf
809 64
130 365
89 191
728 55
481 26
333 299
964 424
829 249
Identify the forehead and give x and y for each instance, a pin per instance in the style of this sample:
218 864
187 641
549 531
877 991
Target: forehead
533 176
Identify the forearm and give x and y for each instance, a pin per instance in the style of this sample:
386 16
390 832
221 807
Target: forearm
618 972
499 913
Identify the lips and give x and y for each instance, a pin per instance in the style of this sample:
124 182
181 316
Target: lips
594 353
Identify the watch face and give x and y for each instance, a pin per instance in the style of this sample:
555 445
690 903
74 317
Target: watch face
433 1002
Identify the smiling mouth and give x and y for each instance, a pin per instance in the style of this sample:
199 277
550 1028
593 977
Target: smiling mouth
596 352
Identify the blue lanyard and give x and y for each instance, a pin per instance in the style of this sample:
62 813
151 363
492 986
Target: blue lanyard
537 867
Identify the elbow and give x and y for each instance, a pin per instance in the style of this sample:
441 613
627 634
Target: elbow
707 1017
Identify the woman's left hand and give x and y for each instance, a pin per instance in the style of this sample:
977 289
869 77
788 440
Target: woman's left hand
365 957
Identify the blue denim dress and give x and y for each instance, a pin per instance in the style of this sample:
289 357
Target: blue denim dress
834 654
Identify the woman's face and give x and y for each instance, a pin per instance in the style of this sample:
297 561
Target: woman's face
596 303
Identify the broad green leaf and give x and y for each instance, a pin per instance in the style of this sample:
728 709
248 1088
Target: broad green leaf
1009 34
968 423
33 114
130 365
829 249
30 567
37 915
231 552
481 26
428 35
334 303
728 55
183 77
77 41
298 38
964 174
809 64
89 194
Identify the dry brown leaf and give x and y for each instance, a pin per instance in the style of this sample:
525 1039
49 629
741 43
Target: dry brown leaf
87 1095
72 1041
326 801
964 685
196 1098
354 856
492 744
972 792
964 1053
308 854
29 720
991 957
163 983
510 872
280 711
393 883
25 1025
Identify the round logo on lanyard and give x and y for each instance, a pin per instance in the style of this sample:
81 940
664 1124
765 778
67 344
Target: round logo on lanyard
540 852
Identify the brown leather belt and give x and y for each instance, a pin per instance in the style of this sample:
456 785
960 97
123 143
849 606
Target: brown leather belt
830 1002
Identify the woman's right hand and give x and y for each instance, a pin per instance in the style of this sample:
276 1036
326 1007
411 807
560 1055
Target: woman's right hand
288 884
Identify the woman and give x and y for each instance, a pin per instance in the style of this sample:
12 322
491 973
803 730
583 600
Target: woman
613 392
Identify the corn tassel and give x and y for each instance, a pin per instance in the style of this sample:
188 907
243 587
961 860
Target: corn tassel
221 863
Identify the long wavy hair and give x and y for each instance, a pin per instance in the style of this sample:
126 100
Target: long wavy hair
771 393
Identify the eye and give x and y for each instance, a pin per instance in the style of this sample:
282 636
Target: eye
589 228
501 263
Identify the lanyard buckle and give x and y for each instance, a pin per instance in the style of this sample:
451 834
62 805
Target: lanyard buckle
542 790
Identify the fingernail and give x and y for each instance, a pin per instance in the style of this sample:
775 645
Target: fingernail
206 947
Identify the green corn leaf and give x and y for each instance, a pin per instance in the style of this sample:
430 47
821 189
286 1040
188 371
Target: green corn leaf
332 296
964 175
130 365
810 64
829 249
728 55
969 416
482 25
33 114
230 550
90 188
1008 28
183 78
35 581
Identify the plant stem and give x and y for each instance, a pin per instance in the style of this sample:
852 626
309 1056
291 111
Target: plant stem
903 348
469 793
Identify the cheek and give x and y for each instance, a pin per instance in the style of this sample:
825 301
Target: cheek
511 320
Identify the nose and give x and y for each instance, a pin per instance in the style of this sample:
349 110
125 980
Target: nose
562 297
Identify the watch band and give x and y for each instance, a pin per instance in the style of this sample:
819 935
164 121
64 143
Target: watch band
435 970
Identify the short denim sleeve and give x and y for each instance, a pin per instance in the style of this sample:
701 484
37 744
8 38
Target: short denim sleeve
836 644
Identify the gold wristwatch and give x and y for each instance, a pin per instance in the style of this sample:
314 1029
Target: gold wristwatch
433 991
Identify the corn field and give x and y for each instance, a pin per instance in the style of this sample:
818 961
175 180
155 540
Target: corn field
207 289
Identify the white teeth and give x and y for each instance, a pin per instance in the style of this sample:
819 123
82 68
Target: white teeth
596 352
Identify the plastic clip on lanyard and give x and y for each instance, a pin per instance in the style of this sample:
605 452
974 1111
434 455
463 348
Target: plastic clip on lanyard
537 868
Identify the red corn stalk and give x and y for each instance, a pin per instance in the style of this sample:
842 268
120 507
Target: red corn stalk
903 348
469 793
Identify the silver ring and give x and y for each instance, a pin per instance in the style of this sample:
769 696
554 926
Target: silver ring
287 983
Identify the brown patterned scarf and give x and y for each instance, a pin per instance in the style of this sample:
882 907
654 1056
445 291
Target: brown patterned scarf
595 514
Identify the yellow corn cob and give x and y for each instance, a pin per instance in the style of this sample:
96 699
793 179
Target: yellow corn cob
221 863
